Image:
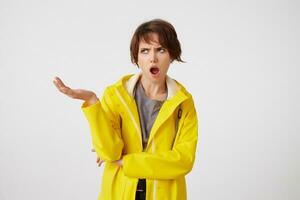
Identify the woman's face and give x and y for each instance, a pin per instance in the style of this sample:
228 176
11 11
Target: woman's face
153 59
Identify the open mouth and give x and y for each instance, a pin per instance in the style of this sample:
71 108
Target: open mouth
154 70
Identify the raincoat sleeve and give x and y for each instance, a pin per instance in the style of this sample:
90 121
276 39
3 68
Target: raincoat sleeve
169 164
104 123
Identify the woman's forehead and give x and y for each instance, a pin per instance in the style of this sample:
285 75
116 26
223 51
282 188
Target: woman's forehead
151 39
149 44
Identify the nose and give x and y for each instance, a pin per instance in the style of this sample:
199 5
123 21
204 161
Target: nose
153 57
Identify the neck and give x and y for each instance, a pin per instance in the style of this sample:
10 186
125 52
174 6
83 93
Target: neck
155 90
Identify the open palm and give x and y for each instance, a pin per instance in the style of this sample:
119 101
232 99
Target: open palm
82 94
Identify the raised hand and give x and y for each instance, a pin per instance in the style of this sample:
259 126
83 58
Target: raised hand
86 95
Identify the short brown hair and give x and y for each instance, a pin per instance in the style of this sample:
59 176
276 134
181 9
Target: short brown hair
167 38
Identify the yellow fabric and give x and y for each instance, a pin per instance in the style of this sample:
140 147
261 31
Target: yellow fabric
169 156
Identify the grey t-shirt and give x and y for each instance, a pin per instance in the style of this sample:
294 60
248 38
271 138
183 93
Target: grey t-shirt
148 110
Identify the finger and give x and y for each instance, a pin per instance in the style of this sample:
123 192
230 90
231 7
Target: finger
68 91
56 84
100 163
59 81
60 87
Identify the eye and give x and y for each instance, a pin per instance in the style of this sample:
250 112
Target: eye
144 50
161 50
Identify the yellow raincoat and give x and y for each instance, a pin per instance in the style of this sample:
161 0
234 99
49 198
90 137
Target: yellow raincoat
116 134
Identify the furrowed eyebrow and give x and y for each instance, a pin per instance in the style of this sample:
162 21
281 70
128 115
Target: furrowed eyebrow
149 48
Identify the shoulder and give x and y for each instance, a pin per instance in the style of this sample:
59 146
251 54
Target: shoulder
114 91
119 82
183 89
188 104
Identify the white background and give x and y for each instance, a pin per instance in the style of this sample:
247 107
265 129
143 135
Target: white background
242 69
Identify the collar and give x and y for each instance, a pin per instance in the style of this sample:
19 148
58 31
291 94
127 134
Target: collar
172 86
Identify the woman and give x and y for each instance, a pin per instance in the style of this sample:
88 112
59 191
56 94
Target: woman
145 127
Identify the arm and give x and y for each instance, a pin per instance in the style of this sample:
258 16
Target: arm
170 164
105 128
104 122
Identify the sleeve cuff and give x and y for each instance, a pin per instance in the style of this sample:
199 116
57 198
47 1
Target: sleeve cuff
91 110
125 164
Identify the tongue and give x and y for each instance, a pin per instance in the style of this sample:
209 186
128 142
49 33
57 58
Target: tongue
154 70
